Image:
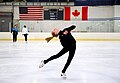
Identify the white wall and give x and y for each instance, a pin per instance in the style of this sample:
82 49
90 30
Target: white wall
117 11
16 12
47 26
101 12
5 8
117 17
88 26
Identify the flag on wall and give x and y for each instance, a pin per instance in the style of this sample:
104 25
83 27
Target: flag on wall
76 13
31 13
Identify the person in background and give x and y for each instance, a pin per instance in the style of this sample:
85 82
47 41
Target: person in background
14 31
69 45
25 32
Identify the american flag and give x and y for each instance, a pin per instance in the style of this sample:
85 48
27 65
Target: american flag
31 13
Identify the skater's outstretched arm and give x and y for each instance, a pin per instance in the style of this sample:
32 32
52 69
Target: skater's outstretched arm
70 28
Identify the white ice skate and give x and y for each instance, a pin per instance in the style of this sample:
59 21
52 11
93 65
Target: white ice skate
41 64
63 75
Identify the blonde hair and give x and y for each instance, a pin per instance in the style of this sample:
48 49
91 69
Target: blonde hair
53 33
48 39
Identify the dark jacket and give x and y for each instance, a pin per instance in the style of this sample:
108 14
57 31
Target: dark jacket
67 40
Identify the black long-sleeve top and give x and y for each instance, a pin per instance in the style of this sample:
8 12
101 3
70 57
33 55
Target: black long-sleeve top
67 40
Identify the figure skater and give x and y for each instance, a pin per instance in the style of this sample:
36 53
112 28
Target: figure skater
69 45
25 32
15 33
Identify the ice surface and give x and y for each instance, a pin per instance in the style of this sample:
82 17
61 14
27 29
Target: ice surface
94 62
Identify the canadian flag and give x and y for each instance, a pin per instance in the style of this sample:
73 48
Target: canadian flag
76 13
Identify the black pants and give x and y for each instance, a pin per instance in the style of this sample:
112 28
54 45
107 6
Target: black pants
14 37
25 35
71 50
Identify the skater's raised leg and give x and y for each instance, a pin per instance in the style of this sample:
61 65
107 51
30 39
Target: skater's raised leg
63 51
43 62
